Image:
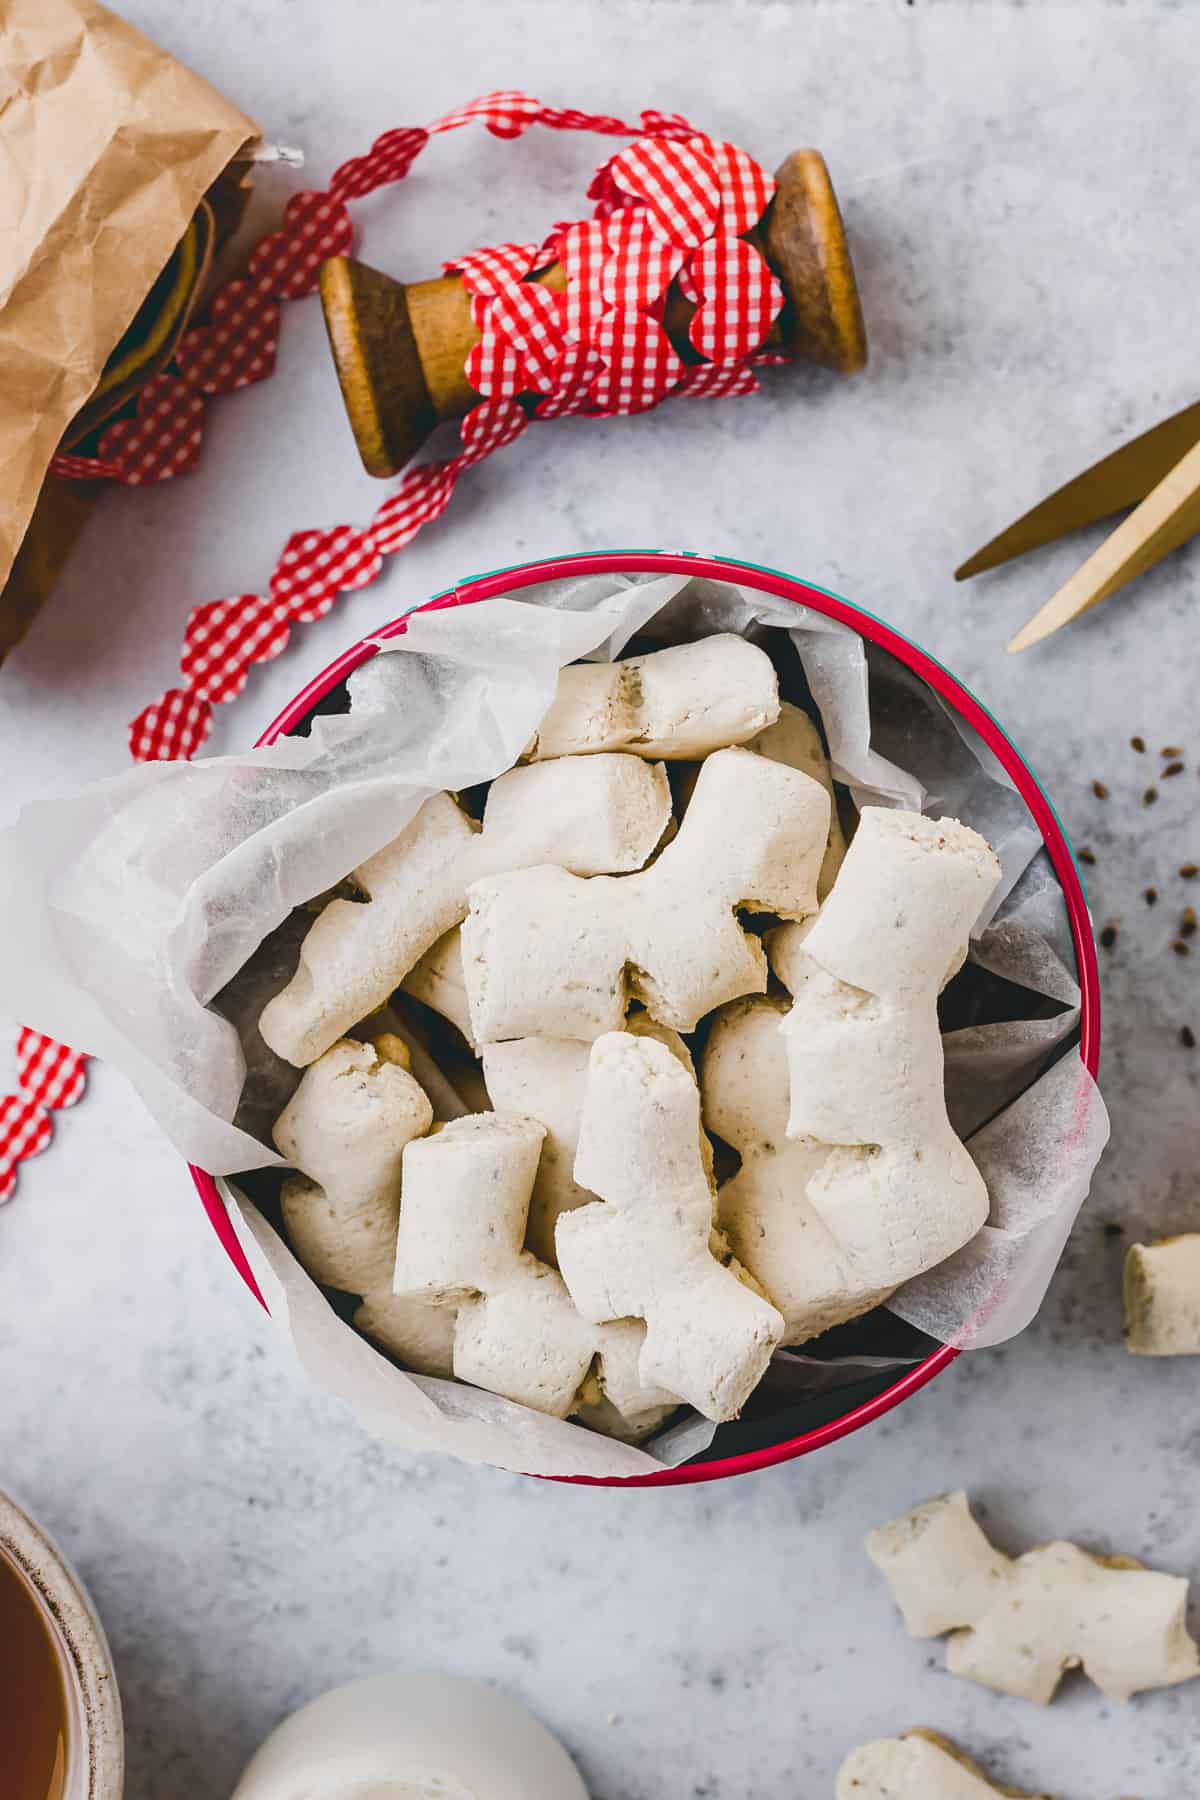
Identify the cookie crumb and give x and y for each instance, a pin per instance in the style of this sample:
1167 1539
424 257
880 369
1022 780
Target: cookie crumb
1100 791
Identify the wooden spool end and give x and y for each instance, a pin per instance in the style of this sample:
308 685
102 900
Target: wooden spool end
375 354
804 241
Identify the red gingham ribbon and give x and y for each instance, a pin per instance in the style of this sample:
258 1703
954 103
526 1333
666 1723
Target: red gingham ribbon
237 346
681 198
317 566
583 249
672 206
530 320
709 381
745 189
225 637
506 113
640 369
163 437
389 159
494 271
49 1076
640 265
580 368
315 226
423 494
739 299
83 468
493 366
677 182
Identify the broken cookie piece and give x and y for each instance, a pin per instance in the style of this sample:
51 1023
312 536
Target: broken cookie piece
1162 1297
1018 1624
920 1765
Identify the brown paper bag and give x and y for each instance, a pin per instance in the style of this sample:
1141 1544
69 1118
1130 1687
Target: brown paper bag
108 146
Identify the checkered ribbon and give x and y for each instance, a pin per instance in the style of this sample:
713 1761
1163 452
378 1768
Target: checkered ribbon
667 209
49 1076
671 207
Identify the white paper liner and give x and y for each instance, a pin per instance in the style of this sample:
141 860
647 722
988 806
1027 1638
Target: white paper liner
126 908
991 1289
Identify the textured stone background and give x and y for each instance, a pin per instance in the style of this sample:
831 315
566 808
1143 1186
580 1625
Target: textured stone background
1019 184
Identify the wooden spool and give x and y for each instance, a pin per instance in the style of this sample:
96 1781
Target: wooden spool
401 350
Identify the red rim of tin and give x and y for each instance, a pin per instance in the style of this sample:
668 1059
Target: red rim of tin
786 587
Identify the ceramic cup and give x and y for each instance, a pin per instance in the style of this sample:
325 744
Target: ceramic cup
94 1749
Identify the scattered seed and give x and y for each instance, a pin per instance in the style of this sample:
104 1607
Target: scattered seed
1180 948
1151 896
1087 856
1189 871
1188 928
1172 768
1187 1037
1150 796
1100 791
1138 744
1112 1231
1108 937
1171 750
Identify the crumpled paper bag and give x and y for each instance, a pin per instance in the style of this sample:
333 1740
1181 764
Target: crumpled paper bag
109 144
128 908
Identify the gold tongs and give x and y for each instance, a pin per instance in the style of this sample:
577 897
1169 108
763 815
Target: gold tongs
1158 474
